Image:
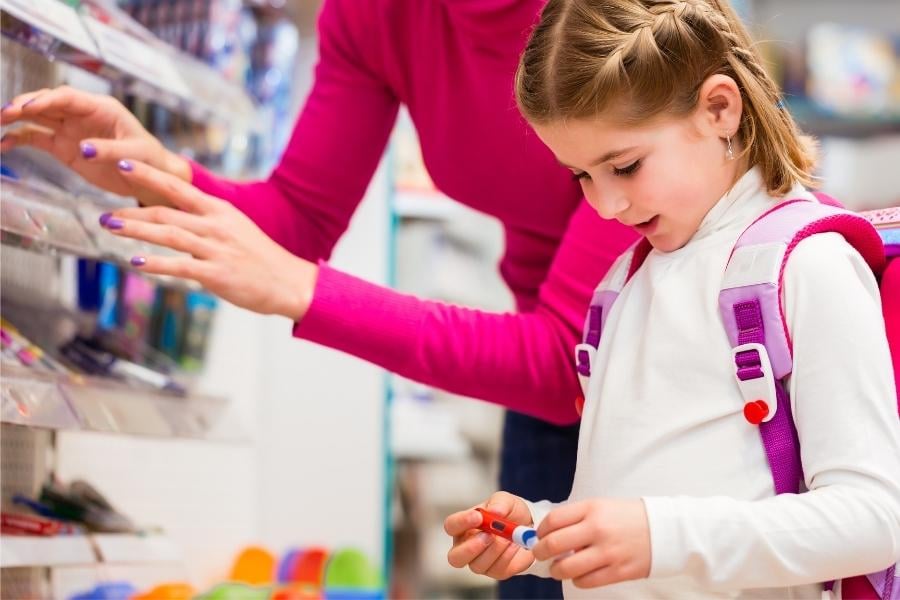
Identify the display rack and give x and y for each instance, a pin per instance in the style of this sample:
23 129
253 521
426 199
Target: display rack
83 550
78 403
142 65
44 218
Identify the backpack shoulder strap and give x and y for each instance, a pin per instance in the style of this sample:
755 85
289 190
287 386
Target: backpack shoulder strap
601 303
752 312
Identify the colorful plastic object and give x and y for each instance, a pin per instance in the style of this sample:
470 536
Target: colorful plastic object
237 591
287 565
168 591
309 568
350 576
520 535
255 566
113 590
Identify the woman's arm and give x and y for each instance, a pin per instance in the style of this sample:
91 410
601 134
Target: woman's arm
340 135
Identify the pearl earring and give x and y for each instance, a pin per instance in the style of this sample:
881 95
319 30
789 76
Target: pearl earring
729 151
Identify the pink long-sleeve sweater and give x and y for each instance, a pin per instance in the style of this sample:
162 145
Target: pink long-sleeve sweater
451 62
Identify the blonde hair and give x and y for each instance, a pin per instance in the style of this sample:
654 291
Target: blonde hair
643 58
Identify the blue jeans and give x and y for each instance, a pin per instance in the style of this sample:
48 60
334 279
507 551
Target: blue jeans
537 463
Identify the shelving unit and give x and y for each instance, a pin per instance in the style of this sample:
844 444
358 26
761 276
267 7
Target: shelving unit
79 403
52 421
84 550
140 63
43 218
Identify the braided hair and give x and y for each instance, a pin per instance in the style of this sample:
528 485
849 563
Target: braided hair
634 60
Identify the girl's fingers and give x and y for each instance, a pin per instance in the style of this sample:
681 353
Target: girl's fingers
567 539
484 562
468 548
598 577
578 564
179 193
460 522
160 215
501 569
169 236
561 516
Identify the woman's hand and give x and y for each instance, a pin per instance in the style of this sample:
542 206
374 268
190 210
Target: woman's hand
229 255
89 133
483 552
596 542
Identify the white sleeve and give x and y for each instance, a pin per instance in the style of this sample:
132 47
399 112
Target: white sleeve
539 510
844 407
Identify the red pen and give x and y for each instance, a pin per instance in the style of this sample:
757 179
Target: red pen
520 535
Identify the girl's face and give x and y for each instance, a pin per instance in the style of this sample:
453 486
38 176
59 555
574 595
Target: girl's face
660 178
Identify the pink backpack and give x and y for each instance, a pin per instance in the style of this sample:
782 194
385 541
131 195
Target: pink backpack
750 305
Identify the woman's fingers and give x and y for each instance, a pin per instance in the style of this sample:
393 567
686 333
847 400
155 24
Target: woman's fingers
101 150
176 191
467 548
41 138
201 271
161 215
170 236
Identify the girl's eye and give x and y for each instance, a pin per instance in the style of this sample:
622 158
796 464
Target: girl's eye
580 176
627 170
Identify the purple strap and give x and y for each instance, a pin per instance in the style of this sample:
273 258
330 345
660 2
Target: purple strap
779 435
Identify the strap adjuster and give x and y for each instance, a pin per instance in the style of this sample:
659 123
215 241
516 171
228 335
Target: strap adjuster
753 373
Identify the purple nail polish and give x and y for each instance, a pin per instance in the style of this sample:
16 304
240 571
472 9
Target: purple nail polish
114 223
138 261
104 218
88 150
126 165
5 106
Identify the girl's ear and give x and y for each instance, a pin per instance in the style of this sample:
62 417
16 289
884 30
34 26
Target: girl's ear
719 106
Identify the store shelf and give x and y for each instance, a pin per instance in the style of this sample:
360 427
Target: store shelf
144 65
82 550
76 403
43 218
117 548
32 551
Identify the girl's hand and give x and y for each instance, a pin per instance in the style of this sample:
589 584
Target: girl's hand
89 133
598 542
483 552
230 255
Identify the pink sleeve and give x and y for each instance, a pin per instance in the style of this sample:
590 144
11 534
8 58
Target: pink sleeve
523 361
340 135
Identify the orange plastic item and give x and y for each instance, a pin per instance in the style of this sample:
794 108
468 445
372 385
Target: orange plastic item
297 592
310 567
254 565
168 591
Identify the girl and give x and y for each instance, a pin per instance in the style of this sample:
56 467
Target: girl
665 115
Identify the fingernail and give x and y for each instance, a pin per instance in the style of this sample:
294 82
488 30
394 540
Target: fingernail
88 150
5 106
104 218
138 261
485 538
29 102
114 223
126 165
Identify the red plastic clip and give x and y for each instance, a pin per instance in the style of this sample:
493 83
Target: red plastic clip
756 411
